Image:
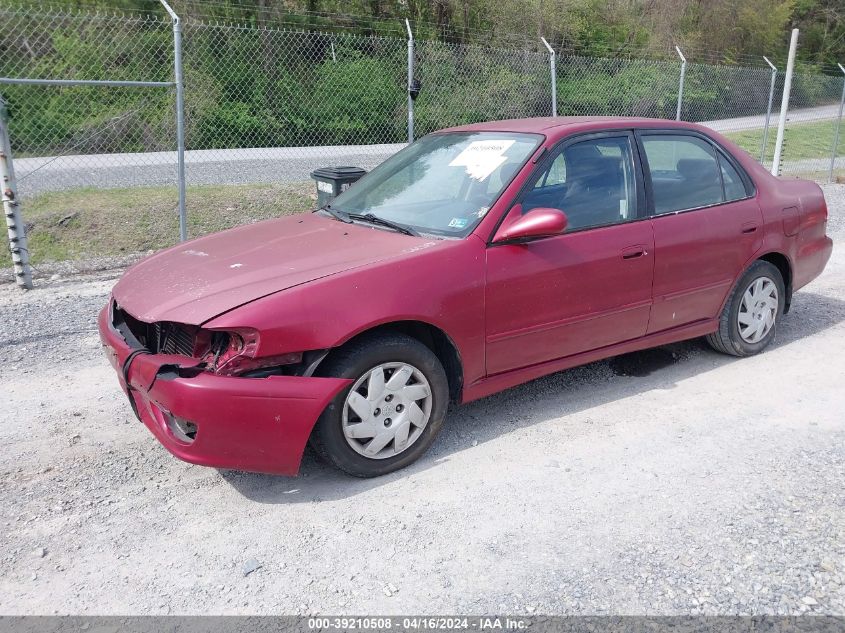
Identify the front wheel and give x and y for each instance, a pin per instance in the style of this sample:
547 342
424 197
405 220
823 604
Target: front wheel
749 320
392 411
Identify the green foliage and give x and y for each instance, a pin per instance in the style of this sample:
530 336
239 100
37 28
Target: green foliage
614 87
262 88
470 84
349 92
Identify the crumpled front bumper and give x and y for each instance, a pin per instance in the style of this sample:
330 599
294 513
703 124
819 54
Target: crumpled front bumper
254 424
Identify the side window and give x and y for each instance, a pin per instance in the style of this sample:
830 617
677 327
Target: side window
591 181
684 172
734 187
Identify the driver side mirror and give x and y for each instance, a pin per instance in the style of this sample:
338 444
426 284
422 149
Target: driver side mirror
537 223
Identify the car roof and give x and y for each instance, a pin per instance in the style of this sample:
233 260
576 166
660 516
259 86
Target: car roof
566 124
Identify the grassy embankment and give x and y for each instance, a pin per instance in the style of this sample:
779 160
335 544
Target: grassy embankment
802 141
84 223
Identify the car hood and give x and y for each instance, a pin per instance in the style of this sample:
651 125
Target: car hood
199 280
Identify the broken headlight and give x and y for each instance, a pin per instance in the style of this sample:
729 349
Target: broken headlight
232 353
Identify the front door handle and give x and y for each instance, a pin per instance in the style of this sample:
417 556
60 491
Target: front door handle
633 252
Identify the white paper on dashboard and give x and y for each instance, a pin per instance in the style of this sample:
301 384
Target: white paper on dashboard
482 158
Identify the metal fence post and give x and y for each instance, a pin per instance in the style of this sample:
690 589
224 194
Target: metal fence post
11 206
768 109
838 125
180 118
410 82
681 83
784 102
553 71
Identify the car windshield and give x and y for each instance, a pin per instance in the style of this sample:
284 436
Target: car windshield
443 184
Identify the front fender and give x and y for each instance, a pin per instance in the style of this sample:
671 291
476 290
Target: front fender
442 285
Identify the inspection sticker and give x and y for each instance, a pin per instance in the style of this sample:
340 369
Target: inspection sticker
482 158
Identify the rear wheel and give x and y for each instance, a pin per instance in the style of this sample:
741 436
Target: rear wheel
749 320
392 411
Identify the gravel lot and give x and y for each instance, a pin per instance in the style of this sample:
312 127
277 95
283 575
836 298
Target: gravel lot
670 482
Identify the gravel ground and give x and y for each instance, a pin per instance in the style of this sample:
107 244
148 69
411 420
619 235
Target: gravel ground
675 481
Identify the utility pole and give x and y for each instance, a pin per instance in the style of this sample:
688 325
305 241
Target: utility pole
553 71
784 102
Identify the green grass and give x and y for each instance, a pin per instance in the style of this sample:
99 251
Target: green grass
85 223
801 141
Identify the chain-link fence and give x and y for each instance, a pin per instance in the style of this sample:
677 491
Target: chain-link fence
812 119
66 136
590 86
467 84
250 88
263 107
733 101
95 164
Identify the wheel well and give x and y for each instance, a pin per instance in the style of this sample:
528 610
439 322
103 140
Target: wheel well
780 261
436 340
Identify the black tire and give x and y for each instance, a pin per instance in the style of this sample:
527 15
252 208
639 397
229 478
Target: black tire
355 360
727 338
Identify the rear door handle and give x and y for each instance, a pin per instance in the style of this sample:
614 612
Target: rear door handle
632 252
748 227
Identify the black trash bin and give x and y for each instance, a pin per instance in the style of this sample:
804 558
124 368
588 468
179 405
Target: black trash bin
331 181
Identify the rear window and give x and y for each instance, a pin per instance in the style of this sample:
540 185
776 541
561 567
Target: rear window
684 172
734 187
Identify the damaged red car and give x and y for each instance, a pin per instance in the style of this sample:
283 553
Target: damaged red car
477 258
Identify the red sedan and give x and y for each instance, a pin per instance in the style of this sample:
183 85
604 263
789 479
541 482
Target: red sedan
478 258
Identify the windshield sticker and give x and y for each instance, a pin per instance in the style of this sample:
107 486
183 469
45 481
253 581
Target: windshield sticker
482 158
458 223
482 212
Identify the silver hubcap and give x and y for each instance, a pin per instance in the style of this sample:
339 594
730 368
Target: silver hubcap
758 310
386 410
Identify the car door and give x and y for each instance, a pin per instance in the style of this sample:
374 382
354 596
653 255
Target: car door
706 221
587 288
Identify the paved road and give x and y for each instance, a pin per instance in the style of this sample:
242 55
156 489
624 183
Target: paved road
820 113
203 167
248 165
672 482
